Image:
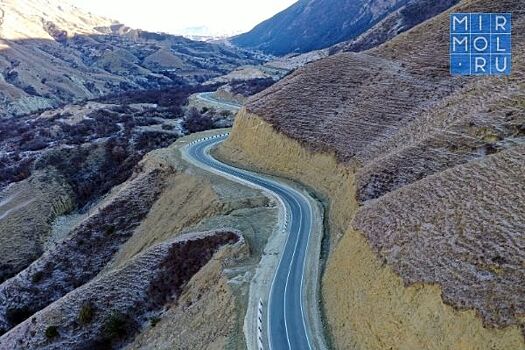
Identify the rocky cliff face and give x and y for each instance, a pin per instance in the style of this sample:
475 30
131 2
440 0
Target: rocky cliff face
52 53
435 163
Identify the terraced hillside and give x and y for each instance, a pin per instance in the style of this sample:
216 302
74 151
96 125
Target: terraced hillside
424 175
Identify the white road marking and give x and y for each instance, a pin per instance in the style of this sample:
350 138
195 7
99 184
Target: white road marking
290 271
293 193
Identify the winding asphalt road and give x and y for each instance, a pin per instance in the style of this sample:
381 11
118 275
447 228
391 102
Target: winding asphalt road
209 97
287 325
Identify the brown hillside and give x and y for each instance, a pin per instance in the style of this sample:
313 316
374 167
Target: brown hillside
439 160
52 53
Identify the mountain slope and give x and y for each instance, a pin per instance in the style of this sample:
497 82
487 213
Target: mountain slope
406 17
425 176
26 19
350 25
52 53
315 24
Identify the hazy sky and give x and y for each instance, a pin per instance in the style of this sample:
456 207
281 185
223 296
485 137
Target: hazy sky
177 16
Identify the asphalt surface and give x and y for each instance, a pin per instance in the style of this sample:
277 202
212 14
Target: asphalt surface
287 325
208 97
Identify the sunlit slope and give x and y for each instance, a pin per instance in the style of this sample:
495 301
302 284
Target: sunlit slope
52 53
27 19
436 164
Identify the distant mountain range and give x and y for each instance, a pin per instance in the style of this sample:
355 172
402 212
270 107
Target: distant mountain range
53 53
317 24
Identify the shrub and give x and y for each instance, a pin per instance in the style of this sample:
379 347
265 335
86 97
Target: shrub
196 122
116 325
37 277
18 315
86 313
30 90
11 77
154 321
52 332
109 230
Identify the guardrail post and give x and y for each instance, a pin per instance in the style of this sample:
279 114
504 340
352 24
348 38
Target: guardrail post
259 326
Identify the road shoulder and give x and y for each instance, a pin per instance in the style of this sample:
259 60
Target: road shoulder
260 285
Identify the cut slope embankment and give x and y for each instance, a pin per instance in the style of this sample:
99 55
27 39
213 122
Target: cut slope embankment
422 173
367 304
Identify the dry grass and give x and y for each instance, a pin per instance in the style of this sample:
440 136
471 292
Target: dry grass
369 307
367 304
27 211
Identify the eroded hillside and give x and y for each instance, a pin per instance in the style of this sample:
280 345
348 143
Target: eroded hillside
426 194
52 53
113 308
130 268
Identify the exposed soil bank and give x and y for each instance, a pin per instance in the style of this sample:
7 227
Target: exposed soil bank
367 305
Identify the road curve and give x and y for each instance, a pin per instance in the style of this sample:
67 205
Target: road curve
208 97
287 325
